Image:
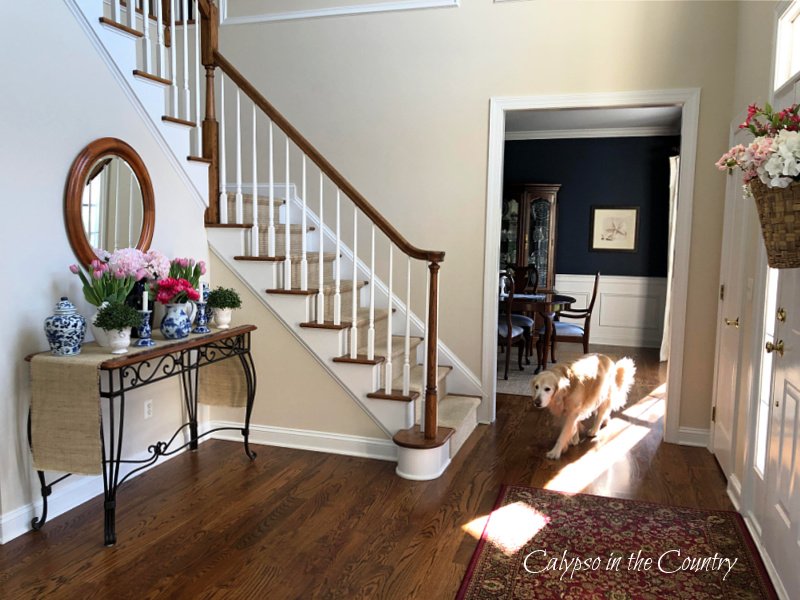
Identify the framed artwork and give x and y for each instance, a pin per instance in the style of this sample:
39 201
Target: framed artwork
614 228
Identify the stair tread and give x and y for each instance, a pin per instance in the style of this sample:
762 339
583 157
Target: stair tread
398 345
328 288
454 409
295 258
362 318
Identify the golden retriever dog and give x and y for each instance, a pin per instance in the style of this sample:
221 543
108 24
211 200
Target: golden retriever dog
592 384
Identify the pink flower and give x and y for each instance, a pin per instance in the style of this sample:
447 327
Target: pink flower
192 294
74 269
202 266
119 274
97 274
142 274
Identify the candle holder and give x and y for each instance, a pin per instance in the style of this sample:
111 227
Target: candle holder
145 330
200 319
209 310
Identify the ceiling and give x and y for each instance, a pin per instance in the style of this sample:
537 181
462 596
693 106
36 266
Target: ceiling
593 122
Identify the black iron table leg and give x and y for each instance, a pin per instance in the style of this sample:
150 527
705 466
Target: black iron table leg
250 377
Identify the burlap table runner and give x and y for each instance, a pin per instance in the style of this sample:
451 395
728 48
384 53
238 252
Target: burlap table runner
65 404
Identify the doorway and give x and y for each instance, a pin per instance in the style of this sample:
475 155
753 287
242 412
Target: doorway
688 101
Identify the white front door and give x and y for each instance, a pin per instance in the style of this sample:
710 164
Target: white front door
781 523
730 318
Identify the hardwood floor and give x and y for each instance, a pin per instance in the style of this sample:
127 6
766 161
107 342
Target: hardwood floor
296 524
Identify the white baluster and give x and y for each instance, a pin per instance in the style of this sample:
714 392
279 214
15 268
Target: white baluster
173 50
303 258
160 47
185 10
239 202
337 263
223 193
131 14
255 242
271 232
287 262
115 12
146 50
197 117
387 367
407 341
354 312
321 277
371 329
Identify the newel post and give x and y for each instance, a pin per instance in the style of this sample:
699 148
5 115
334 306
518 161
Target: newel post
431 406
210 44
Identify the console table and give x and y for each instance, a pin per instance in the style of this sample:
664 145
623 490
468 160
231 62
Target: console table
118 375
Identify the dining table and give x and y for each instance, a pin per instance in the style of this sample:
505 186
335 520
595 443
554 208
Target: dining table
546 303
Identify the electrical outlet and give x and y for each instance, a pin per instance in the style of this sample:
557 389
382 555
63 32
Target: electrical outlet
148 409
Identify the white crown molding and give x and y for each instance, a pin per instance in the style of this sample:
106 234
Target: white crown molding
315 441
334 11
613 132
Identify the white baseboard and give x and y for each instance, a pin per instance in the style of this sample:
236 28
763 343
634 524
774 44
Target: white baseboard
69 494
316 441
773 574
735 492
694 436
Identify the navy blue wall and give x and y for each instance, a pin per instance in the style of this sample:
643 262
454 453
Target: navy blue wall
631 171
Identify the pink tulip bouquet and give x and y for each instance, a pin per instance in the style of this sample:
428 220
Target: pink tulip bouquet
172 290
187 269
111 277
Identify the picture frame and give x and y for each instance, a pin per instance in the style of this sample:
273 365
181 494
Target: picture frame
614 229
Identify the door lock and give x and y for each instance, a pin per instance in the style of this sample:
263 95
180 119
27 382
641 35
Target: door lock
735 323
770 347
781 315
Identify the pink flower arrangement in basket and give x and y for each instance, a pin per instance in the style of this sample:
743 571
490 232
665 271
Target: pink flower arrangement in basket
171 290
773 156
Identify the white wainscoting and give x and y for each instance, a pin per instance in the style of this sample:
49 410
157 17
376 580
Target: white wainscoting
629 311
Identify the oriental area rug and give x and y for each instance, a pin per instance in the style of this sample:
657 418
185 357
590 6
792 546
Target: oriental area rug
544 544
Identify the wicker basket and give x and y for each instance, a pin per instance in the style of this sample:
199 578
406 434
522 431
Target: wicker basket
779 213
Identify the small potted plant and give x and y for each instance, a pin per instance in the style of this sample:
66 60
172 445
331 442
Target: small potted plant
223 301
116 319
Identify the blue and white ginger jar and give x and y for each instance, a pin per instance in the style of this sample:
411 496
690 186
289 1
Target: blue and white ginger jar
65 329
176 323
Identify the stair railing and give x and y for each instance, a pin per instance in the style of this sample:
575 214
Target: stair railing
171 34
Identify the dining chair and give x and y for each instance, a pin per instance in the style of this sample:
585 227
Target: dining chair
509 334
526 279
572 332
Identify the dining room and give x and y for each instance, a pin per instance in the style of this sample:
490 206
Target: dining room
586 238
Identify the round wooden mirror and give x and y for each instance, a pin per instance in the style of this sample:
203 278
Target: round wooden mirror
109 200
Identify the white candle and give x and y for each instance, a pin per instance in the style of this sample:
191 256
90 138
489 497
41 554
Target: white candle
145 298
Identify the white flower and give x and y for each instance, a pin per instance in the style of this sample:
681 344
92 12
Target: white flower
784 163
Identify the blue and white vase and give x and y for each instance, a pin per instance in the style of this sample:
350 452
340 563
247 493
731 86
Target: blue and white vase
176 323
65 329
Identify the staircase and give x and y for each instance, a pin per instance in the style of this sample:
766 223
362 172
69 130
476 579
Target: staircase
258 177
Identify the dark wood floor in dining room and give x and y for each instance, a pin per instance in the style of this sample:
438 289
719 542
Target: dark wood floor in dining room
297 524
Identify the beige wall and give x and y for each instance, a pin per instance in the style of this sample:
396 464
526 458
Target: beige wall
294 390
399 103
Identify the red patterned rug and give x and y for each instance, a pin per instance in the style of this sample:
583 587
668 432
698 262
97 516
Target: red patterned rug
543 544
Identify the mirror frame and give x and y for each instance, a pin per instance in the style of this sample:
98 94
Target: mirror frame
76 181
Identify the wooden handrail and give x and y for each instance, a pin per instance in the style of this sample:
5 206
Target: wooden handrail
336 178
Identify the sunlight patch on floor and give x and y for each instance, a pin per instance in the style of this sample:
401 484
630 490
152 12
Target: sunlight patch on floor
510 527
614 441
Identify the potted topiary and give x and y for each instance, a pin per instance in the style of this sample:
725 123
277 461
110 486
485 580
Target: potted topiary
116 319
223 300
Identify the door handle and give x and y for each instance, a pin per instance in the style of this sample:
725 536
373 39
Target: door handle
735 323
770 347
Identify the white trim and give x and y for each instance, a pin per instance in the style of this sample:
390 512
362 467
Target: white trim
735 492
693 436
307 439
611 132
73 492
334 11
773 574
689 100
